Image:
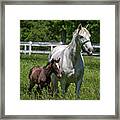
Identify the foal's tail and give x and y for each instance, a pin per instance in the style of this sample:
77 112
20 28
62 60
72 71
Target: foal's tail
30 72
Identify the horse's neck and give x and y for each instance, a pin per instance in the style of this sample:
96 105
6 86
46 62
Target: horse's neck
74 48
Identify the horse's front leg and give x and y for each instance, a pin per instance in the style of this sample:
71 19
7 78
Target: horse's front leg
63 86
54 84
78 85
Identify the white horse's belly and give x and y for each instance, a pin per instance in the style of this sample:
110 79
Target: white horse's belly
72 77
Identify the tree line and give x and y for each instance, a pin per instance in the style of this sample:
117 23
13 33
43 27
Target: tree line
52 30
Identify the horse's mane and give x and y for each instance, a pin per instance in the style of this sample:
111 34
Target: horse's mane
82 30
85 30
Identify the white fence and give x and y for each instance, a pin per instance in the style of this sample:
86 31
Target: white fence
27 47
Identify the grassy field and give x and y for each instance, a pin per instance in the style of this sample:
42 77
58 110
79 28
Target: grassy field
90 89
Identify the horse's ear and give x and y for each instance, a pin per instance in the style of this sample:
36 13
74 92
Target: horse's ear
79 27
87 26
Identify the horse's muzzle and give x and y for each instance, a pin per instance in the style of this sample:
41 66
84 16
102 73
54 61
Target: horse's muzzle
59 76
90 51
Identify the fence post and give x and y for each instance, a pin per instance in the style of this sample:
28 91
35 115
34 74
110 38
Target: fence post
30 44
25 49
51 47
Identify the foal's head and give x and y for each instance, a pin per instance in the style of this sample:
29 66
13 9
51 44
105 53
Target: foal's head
55 67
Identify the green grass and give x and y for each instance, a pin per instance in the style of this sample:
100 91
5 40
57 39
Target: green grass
90 89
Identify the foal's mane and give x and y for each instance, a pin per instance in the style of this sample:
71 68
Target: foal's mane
46 65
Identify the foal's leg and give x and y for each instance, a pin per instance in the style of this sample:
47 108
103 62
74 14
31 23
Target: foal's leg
49 90
66 87
32 84
39 88
49 87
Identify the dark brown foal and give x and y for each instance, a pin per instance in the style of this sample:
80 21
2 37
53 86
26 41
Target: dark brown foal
42 75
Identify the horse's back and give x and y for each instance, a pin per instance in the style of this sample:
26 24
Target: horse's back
57 51
59 48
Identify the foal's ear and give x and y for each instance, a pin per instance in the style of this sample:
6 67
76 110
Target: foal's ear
58 60
52 61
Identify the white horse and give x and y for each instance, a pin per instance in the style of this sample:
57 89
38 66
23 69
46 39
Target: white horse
71 60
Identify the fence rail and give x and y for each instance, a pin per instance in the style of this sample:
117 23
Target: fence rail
27 47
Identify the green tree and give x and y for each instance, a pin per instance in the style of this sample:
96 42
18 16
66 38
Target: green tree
50 30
